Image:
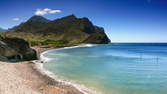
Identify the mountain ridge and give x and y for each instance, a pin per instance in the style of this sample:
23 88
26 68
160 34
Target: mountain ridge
71 29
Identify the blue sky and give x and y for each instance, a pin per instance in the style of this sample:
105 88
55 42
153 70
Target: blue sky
123 20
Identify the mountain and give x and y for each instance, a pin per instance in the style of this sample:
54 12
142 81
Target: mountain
36 18
33 24
2 30
69 29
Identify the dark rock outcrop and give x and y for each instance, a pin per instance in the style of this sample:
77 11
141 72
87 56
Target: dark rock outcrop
70 28
15 48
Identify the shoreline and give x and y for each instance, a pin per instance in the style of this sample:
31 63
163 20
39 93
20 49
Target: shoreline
41 49
24 78
39 67
29 77
81 89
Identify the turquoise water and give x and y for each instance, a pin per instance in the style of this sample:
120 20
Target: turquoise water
114 69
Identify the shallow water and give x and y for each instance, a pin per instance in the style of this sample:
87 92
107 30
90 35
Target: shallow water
113 69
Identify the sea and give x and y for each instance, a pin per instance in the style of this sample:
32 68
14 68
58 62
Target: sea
117 68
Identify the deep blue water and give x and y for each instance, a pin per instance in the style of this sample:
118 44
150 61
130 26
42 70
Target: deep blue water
114 68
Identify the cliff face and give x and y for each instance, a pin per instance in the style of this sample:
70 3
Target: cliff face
70 28
15 48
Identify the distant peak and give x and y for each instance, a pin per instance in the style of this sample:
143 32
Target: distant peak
36 18
72 16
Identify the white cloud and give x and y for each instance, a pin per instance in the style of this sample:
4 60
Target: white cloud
54 11
46 11
16 19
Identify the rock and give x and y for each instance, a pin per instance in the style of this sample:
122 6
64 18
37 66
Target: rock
98 38
16 48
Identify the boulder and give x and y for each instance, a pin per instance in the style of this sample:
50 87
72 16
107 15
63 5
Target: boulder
16 48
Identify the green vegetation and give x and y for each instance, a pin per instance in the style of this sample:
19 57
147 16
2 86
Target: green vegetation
34 40
53 43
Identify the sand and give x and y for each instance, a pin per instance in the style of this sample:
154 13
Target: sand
41 49
24 78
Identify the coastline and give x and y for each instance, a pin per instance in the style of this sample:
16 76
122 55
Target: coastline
41 49
39 68
29 77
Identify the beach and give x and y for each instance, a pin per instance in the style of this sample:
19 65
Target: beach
25 78
41 49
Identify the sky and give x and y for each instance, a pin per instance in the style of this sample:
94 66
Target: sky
123 20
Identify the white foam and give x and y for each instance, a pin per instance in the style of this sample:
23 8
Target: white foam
78 46
45 59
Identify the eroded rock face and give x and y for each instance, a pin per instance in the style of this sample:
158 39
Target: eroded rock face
15 48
